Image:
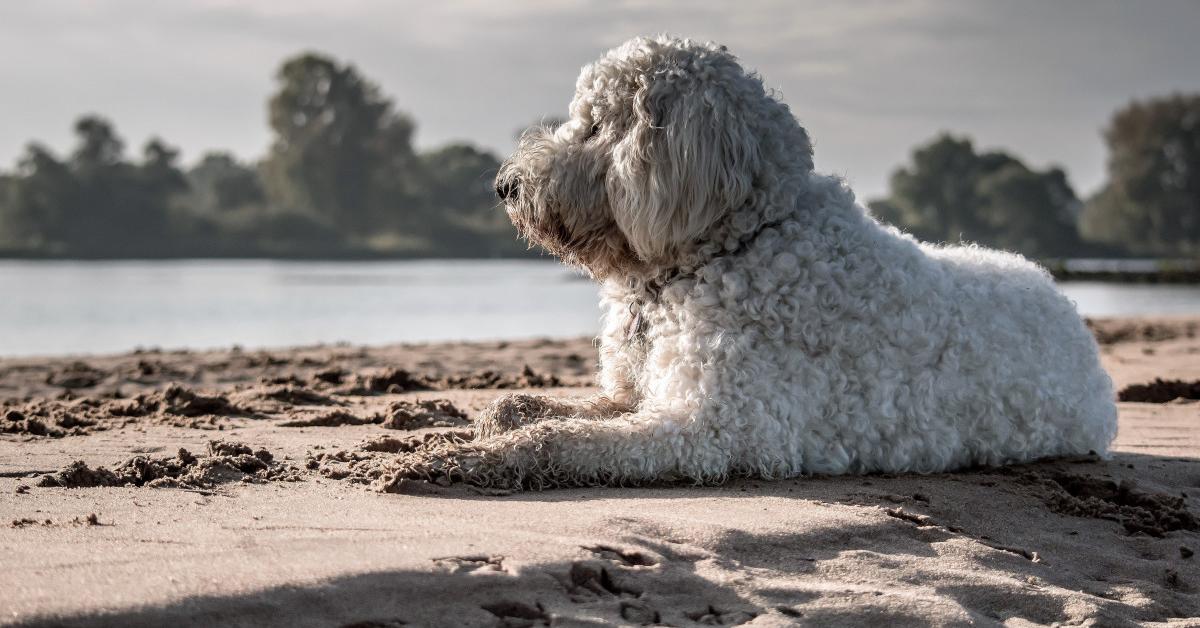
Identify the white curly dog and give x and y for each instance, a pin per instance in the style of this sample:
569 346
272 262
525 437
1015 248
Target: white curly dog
758 321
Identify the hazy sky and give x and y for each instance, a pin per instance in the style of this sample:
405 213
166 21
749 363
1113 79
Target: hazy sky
868 79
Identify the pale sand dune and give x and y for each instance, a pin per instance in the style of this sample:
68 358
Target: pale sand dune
986 547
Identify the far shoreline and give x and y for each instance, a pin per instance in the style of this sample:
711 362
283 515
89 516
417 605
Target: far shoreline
1106 270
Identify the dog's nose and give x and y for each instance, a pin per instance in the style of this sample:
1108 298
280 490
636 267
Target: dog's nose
508 188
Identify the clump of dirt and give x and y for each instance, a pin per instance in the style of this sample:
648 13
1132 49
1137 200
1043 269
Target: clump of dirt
75 375
71 421
152 370
528 378
468 564
516 613
79 475
297 395
919 520
406 444
1115 331
357 467
260 359
627 558
25 522
290 379
172 405
389 381
371 460
394 381
411 415
1154 514
225 462
1160 391
332 376
45 418
179 401
321 379
90 520
333 419
15 422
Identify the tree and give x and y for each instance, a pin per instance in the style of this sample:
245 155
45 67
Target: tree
459 188
341 178
460 179
99 147
1151 202
121 206
160 171
341 152
951 193
1031 212
935 195
9 238
96 203
105 214
155 186
220 183
40 198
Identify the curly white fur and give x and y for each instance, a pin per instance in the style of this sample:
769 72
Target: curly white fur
759 321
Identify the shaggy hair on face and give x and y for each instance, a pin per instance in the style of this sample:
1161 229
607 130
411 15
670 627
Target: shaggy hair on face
759 322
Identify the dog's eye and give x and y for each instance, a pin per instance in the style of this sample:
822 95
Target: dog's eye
592 132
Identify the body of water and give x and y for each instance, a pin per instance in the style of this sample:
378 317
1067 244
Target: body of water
72 307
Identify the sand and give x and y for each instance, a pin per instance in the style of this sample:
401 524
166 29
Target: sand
235 488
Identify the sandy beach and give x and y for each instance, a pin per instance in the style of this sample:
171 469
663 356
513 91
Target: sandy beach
240 488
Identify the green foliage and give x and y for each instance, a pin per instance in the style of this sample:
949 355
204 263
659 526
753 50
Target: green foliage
220 184
38 201
1031 212
96 202
341 179
951 193
341 152
459 180
1151 202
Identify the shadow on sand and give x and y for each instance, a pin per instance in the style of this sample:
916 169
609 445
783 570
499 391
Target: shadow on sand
895 556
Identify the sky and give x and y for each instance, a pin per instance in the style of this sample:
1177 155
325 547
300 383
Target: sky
869 80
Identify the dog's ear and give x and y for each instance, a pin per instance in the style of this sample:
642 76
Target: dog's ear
689 159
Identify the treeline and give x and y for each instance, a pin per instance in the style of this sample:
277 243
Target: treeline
342 179
1149 207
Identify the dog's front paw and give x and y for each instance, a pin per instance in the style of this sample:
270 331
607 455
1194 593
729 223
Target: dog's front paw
423 470
510 412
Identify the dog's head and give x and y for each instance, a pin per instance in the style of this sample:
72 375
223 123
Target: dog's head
666 138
